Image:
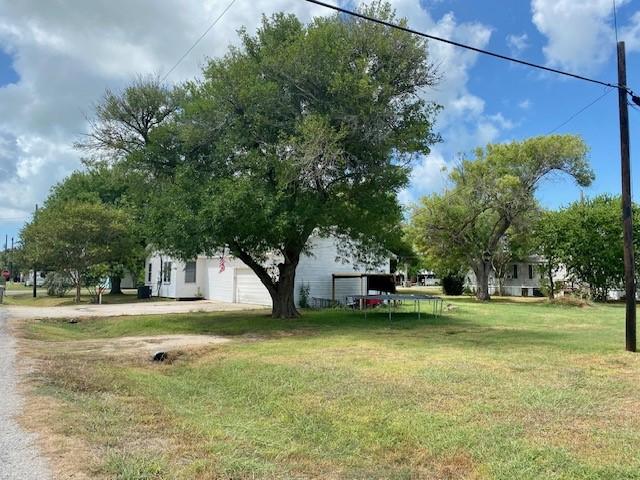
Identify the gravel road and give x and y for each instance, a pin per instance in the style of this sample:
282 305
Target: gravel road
19 457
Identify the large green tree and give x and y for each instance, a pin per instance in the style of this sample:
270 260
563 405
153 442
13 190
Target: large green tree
488 195
302 128
117 187
586 238
73 237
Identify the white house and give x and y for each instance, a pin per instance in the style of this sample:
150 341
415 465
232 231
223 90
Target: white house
524 279
323 271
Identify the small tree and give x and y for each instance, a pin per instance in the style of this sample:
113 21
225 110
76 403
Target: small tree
71 237
96 281
587 237
488 195
110 185
549 242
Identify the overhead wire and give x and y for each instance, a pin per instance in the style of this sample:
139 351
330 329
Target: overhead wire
412 31
199 39
465 46
586 107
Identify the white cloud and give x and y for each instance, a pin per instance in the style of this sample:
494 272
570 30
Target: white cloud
631 33
525 104
579 34
67 53
429 175
464 123
517 43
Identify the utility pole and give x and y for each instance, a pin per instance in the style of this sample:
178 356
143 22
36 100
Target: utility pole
35 281
627 220
11 262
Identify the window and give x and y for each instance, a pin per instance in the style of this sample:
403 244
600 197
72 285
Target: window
166 272
150 271
530 272
190 272
515 271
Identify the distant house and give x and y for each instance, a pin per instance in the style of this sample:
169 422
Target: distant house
327 276
524 279
40 277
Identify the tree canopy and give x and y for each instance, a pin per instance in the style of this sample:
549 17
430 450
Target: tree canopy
586 239
300 129
116 187
74 237
489 195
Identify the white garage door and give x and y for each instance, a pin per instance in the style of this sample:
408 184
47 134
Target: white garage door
249 288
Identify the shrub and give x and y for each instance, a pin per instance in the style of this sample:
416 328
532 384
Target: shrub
57 284
570 301
304 296
453 284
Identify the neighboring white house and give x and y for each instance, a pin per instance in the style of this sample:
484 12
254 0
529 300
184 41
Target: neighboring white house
228 279
523 279
40 277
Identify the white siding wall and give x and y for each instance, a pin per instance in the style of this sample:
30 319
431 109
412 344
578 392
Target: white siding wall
220 285
514 286
314 270
177 287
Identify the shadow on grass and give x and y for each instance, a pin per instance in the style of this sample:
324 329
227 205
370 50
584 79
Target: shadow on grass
462 328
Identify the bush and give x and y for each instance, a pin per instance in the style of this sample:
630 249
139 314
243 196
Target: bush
57 284
304 296
453 284
571 301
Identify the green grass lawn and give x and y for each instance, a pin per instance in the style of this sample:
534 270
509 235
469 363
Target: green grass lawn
504 390
11 286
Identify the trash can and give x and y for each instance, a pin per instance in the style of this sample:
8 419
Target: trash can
144 292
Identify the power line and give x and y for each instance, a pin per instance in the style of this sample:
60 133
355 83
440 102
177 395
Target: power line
596 100
204 34
468 47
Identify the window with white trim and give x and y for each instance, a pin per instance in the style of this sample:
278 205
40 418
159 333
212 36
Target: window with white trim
190 272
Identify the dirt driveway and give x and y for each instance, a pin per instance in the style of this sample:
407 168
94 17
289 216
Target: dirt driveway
142 308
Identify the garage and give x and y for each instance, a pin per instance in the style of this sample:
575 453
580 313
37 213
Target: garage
249 288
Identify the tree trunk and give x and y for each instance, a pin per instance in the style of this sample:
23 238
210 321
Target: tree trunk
552 287
282 295
482 270
281 290
78 291
501 285
116 283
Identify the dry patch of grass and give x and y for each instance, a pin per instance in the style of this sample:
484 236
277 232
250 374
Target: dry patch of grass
488 391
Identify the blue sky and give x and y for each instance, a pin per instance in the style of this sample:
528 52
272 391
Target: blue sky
55 61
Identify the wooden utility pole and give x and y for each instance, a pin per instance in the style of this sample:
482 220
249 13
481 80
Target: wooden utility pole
627 220
11 262
35 268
